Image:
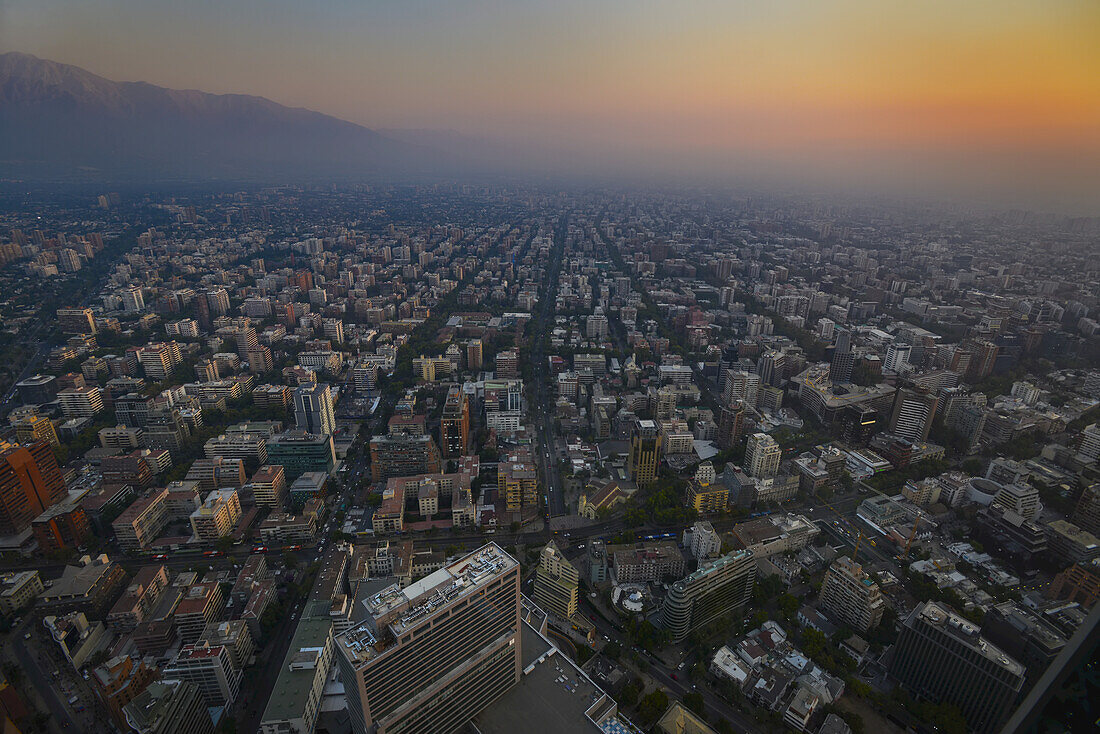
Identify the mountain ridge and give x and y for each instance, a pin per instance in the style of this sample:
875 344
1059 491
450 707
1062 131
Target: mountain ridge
58 118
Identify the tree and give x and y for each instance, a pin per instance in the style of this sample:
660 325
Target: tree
788 605
652 706
695 702
628 696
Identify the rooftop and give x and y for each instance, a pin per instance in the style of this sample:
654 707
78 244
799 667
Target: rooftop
394 610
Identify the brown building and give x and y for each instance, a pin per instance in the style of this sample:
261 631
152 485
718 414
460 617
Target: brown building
118 682
64 525
30 482
1079 583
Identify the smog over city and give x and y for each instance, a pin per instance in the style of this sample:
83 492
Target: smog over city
549 367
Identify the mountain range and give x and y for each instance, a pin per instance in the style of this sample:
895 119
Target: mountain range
60 121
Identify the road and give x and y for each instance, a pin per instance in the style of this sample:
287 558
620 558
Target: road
541 401
62 718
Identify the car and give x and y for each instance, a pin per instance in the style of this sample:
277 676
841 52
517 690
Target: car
27 636
675 677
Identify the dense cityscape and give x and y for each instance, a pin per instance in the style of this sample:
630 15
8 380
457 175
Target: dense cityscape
499 458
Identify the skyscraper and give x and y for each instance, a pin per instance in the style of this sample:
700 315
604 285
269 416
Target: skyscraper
912 415
716 588
30 482
556 583
645 452
942 657
430 656
313 409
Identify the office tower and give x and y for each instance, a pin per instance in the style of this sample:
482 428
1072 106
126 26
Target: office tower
897 356
430 656
840 370
475 355
557 583
942 657
771 367
730 425
645 452
169 707
667 397
298 452
912 415
1024 635
507 365
850 596
313 409
30 482
762 456
716 588
843 343
454 426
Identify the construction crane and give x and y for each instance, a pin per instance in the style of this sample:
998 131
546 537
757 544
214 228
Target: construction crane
912 534
855 552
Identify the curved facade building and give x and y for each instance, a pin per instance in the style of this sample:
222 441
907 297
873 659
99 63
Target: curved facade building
716 588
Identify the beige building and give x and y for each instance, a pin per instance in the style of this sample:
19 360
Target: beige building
18 590
850 596
217 516
557 583
140 523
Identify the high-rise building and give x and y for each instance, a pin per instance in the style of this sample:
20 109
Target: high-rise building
475 355
30 482
912 415
169 707
133 301
31 428
455 424
518 479
850 596
160 359
897 356
402 455
557 583
313 409
730 425
507 365
1087 513
942 657
716 588
762 456
430 656
119 681
76 320
269 486
645 452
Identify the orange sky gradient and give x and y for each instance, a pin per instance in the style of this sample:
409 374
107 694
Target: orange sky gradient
1002 81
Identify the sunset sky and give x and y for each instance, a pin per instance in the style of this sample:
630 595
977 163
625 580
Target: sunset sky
1010 85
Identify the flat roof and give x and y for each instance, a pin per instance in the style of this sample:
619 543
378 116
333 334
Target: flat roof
294 684
552 697
395 610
